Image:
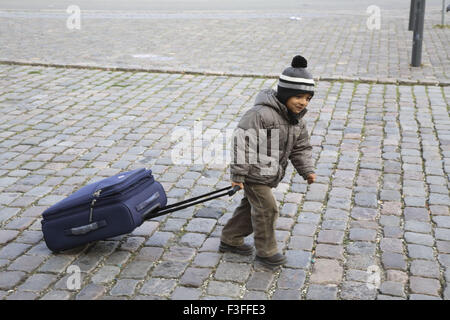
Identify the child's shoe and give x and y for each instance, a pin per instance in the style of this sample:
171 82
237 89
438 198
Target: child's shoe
245 249
273 261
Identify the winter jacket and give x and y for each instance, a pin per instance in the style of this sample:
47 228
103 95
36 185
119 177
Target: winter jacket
259 127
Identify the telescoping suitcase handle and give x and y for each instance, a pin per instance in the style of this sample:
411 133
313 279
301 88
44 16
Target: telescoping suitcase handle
155 211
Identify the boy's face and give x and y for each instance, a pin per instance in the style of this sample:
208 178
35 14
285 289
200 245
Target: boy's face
299 102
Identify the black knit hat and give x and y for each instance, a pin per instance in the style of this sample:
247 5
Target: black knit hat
295 80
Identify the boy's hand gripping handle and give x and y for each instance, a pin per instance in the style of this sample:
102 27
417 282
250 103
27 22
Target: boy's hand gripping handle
234 190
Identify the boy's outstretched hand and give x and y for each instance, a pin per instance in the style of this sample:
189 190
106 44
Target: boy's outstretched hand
311 178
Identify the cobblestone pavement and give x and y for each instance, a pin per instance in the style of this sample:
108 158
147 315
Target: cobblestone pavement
380 207
337 45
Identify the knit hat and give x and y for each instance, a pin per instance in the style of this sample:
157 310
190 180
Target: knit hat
295 80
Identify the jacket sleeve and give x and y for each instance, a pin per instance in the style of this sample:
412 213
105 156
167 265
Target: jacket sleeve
244 145
301 155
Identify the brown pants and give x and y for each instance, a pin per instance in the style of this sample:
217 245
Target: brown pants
257 212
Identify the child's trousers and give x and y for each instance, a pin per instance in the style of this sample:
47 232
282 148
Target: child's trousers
257 213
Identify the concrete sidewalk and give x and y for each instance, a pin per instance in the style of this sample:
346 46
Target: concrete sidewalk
379 209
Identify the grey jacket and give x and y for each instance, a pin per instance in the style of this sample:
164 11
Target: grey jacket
270 117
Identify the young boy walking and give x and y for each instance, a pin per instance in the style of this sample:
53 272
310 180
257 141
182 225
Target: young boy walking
283 111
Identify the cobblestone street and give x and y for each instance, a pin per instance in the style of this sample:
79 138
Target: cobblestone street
380 206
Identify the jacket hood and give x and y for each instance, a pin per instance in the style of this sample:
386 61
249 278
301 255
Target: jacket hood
267 97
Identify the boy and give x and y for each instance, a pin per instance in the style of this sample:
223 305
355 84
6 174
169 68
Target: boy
283 111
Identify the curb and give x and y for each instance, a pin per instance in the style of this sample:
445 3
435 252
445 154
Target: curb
240 75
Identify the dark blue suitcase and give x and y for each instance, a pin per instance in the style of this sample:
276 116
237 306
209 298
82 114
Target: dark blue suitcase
108 208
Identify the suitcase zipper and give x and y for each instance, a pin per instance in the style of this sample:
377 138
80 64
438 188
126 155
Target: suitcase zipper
91 205
105 190
129 181
96 194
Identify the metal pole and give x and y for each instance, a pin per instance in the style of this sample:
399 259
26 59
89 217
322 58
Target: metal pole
412 14
443 13
418 34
